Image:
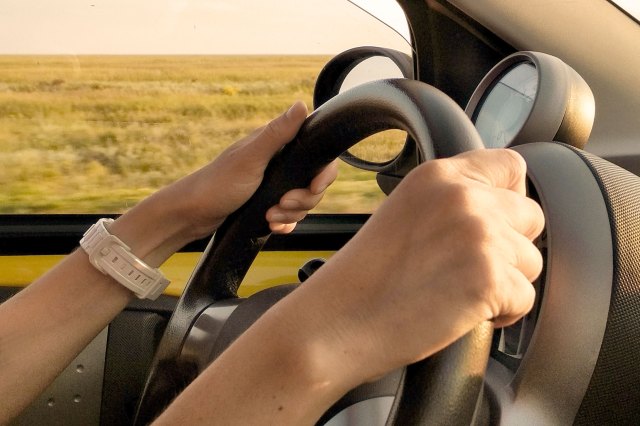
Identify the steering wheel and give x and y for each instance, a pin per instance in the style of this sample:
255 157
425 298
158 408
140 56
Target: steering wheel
442 389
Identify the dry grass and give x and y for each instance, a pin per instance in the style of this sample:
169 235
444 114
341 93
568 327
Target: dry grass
98 133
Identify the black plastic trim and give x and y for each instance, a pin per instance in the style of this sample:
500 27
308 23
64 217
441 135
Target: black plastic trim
60 234
453 51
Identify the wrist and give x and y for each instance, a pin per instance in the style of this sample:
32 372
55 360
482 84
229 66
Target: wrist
153 230
276 365
111 256
347 328
318 342
296 364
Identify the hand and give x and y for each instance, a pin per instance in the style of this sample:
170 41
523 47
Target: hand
450 248
196 205
236 174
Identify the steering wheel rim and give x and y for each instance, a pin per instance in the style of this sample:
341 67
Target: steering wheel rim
441 129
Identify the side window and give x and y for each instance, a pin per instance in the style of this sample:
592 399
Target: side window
103 102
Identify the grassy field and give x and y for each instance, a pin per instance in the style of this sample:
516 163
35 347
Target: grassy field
95 134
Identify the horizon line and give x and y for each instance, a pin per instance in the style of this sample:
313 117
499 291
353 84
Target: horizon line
166 54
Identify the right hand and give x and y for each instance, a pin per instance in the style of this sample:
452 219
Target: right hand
451 248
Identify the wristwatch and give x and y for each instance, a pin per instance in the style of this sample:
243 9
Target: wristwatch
114 258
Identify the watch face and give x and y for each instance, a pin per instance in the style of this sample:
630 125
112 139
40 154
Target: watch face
507 105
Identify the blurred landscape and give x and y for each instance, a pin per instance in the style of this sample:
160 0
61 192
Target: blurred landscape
95 134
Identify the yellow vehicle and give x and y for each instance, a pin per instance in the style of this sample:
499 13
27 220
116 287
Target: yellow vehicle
101 104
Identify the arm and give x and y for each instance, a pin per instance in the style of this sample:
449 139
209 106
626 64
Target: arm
449 249
46 325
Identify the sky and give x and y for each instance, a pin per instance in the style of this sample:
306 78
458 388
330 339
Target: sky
194 26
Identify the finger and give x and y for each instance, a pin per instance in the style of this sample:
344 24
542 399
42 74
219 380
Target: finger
282 228
279 131
307 199
525 256
325 178
523 214
300 199
517 298
278 215
499 168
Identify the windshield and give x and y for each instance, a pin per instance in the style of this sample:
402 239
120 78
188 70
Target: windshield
389 13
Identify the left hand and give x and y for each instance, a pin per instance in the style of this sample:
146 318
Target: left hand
221 187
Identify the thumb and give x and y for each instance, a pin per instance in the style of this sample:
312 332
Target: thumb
279 131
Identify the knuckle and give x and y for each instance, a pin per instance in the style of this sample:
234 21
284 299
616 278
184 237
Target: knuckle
434 170
516 164
517 161
477 231
459 203
426 174
460 196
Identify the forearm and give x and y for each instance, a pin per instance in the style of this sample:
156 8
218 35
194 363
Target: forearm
289 367
404 287
61 312
46 325
279 372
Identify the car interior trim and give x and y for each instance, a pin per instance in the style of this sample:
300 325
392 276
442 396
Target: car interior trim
59 234
75 397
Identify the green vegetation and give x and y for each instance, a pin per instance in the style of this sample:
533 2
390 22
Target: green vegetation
98 133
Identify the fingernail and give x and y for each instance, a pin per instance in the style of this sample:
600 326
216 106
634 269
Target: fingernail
290 111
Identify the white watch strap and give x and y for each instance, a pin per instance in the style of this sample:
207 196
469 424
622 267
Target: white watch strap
114 258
